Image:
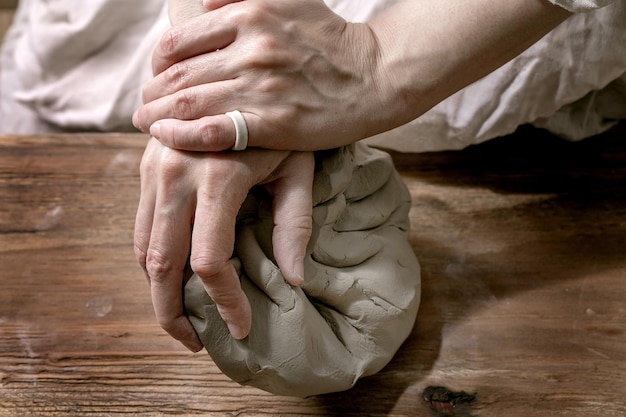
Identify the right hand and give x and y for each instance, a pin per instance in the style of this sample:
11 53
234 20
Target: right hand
303 78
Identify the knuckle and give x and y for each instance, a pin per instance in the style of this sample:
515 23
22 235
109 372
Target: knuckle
183 105
177 75
140 119
303 223
252 15
266 45
211 134
171 167
169 42
261 15
145 96
206 266
226 294
158 265
298 226
168 324
266 52
146 167
140 254
148 162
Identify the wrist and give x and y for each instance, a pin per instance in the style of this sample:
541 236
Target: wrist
375 108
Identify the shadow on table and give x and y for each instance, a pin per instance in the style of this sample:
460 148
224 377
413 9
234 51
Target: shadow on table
575 216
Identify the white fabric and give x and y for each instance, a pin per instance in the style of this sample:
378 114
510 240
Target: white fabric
553 84
360 10
81 64
16 117
581 6
71 64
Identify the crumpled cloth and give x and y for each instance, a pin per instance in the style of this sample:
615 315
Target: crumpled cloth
581 6
76 65
571 82
361 290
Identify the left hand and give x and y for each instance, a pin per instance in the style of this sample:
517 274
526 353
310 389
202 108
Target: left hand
303 78
187 210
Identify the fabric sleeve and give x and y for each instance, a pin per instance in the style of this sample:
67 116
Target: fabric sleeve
581 6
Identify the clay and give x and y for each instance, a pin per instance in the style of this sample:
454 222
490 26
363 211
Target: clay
361 291
362 285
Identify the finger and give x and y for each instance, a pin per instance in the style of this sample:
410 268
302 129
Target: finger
201 34
167 301
166 286
293 210
166 258
188 73
212 247
261 271
223 286
207 134
145 209
187 104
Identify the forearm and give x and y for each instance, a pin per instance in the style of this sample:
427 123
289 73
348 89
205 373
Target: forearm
429 50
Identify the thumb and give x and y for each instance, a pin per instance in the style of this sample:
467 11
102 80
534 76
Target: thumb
292 193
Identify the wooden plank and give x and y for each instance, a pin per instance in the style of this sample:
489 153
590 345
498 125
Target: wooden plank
521 243
6 17
8 4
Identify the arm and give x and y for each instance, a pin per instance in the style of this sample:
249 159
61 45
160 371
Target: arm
306 79
449 44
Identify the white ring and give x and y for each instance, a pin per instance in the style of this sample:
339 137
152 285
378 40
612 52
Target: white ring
241 128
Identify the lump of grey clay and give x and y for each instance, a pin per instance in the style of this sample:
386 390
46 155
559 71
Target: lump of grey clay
361 290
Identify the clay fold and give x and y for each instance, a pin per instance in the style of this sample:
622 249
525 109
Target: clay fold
361 291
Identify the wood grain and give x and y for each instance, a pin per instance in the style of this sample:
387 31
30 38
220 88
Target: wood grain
8 4
521 242
6 17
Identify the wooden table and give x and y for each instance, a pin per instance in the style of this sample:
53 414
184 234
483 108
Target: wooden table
522 243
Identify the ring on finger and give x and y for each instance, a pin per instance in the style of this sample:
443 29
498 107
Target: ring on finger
241 130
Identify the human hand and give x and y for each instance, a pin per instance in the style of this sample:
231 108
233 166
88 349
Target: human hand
302 76
187 211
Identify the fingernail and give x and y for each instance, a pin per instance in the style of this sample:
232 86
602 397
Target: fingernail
298 271
134 120
237 331
194 346
155 130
